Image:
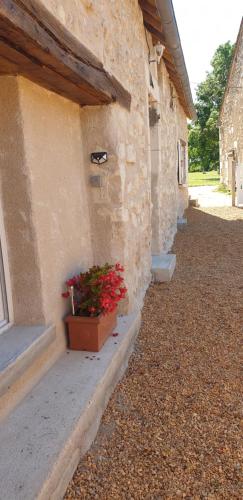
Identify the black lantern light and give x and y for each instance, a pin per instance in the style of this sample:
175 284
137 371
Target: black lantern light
99 157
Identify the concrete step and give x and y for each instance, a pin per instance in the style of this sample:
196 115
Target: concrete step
43 439
163 267
22 362
181 223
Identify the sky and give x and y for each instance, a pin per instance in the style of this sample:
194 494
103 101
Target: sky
204 25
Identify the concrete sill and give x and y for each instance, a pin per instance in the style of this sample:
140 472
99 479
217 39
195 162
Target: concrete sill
19 347
44 437
163 267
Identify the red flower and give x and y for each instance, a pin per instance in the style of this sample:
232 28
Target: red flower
98 290
92 310
72 281
65 295
119 268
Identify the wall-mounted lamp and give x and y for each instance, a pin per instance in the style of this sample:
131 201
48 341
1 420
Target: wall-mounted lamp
99 157
159 49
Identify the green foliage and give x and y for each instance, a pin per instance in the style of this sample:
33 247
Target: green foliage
203 135
210 178
222 188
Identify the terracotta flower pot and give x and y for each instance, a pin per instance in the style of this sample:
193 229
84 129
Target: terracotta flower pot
89 334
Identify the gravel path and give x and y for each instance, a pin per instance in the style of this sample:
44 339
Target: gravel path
172 427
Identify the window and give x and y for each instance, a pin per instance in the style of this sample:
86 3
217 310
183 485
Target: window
182 162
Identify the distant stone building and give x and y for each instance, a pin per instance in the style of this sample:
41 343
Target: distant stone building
231 121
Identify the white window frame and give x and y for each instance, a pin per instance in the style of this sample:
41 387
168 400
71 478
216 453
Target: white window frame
5 279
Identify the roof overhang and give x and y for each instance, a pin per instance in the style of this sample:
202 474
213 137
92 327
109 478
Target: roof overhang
35 44
159 20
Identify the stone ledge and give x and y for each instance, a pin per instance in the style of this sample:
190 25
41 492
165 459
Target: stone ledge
193 202
43 439
163 267
181 223
19 347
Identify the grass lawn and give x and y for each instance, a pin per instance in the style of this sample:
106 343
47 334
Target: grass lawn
199 179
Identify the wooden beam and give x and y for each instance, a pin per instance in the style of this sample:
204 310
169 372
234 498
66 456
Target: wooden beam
7 67
158 35
43 76
54 59
170 66
155 23
167 56
56 29
147 7
176 82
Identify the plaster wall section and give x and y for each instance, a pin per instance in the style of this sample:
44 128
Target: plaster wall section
54 155
231 127
18 212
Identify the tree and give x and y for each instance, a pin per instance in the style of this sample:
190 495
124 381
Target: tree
203 135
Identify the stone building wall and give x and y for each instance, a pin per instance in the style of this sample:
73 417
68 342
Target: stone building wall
120 210
68 224
231 123
168 198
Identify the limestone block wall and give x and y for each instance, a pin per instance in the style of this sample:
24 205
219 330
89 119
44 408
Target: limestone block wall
169 199
112 30
120 210
68 224
231 123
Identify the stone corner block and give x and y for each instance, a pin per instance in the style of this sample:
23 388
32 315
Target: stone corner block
163 267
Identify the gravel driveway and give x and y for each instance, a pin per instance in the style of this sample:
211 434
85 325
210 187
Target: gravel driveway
172 427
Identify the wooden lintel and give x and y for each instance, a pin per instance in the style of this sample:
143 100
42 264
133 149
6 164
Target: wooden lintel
50 56
42 75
